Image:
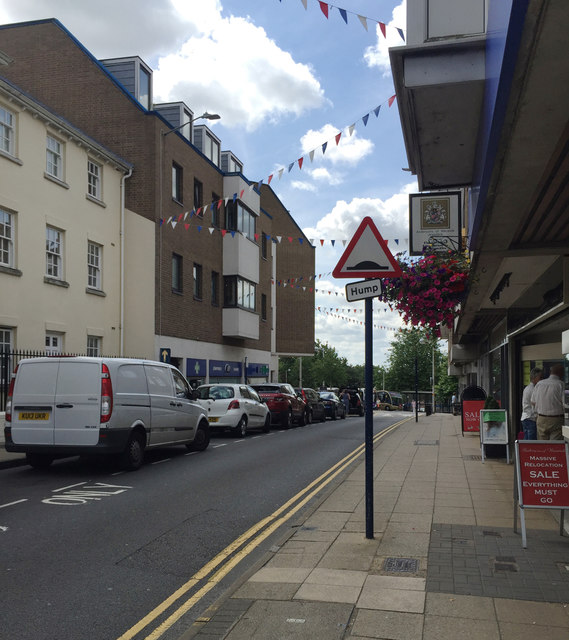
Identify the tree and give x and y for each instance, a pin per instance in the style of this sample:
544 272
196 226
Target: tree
325 369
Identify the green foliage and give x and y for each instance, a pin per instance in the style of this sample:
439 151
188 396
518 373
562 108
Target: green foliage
325 369
491 403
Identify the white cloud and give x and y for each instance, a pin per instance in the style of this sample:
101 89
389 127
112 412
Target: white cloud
321 174
378 54
303 186
390 216
350 150
200 56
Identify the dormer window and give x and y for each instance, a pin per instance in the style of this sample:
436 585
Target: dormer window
135 76
144 87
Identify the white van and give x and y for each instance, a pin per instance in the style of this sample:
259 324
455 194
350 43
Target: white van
65 406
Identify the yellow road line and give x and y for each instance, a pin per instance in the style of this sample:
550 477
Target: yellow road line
320 482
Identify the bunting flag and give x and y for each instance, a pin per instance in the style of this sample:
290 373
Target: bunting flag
352 320
325 9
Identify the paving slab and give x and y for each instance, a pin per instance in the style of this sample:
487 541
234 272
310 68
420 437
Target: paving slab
266 620
387 625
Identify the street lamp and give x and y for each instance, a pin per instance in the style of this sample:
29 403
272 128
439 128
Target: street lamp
204 116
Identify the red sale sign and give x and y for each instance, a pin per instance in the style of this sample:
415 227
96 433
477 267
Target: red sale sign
543 480
471 415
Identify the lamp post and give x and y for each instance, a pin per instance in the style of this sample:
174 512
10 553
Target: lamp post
204 116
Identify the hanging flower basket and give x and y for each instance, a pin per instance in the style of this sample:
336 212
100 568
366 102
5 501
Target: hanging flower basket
429 291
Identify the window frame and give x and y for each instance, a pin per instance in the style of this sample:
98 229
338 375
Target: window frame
94 180
57 260
240 218
6 339
177 183
177 273
94 267
198 196
197 273
53 349
236 292
94 346
215 288
263 306
7 242
7 131
54 165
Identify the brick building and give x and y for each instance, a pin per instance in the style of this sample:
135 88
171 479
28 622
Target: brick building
218 311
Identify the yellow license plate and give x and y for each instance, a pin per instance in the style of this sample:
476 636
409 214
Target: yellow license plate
34 415
213 419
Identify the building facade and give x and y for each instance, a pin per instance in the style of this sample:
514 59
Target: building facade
483 96
62 267
215 300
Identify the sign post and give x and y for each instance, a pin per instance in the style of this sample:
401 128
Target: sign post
367 256
542 479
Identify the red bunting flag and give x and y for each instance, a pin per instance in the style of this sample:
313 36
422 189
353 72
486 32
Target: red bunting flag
270 178
382 27
219 203
187 226
390 101
322 243
324 8
300 161
223 232
198 211
338 138
242 192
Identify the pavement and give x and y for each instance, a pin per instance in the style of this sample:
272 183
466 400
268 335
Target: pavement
444 562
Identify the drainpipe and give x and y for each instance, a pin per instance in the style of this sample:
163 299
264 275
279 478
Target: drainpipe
123 180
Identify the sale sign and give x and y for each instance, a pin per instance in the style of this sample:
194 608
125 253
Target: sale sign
543 480
471 415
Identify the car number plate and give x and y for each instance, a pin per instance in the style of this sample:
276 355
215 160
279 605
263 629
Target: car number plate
213 419
34 415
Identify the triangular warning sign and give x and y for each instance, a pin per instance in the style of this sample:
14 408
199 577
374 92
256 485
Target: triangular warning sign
367 255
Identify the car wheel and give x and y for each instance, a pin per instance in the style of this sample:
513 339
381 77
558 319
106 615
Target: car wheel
38 460
201 441
267 425
133 455
309 417
323 417
334 416
286 419
301 419
241 429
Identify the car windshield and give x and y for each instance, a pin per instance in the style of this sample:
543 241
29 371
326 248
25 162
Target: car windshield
327 395
214 393
269 388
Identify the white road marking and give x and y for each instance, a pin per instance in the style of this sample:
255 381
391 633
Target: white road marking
69 487
9 504
161 461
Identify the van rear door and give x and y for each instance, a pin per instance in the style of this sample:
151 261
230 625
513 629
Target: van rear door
77 409
33 407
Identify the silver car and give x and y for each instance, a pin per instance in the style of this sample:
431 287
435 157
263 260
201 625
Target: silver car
236 407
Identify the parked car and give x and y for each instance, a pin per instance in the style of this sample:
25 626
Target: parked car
356 404
236 407
68 406
285 406
333 406
314 406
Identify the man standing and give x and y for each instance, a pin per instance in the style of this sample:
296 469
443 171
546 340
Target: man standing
547 398
529 414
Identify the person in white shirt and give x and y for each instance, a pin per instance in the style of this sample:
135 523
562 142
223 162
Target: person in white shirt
547 398
529 414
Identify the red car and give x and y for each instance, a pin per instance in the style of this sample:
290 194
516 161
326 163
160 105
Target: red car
285 406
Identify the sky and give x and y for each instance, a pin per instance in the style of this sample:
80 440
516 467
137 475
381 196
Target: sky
285 80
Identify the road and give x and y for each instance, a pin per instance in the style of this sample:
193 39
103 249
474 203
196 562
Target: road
90 552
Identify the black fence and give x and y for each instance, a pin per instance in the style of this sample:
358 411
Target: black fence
8 363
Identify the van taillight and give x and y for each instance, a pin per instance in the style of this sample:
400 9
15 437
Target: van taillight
106 394
234 404
8 415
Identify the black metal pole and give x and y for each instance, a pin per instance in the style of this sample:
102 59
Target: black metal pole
368 401
416 389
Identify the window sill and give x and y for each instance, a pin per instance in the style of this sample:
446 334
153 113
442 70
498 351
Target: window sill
10 271
95 292
178 202
95 200
198 299
55 180
177 292
56 282
9 156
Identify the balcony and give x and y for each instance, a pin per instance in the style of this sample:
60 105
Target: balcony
239 323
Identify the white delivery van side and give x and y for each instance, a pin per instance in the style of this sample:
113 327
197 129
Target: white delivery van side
66 406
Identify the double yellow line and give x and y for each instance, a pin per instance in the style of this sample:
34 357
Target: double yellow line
230 557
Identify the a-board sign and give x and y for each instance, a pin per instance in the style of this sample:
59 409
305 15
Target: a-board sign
543 481
471 415
493 426
363 289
